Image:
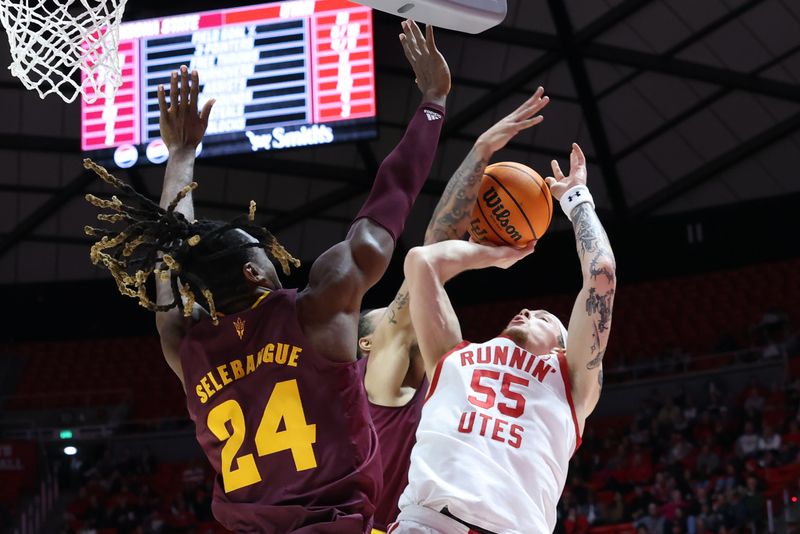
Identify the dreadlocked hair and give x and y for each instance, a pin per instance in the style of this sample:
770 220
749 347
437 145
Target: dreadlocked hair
199 259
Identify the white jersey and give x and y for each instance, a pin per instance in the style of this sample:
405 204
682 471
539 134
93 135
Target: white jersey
497 431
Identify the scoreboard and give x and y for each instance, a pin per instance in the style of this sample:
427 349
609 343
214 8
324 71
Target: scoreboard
285 75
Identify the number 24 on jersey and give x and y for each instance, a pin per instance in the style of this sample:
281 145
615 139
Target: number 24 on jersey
298 436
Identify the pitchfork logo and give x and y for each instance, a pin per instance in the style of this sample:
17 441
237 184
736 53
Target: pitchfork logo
238 324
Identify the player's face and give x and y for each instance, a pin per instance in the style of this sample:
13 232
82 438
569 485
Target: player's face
539 328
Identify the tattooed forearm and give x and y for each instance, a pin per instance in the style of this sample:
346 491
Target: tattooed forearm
599 271
586 233
449 220
593 244
400 301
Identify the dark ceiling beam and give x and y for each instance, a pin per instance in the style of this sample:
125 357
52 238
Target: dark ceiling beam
50 207
718 165
694 109
645 61
695 37
539 65
591 112
693 71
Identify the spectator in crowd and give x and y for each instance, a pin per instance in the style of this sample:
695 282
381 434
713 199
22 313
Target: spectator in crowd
754 504
680 448
653 521
769 440
193 476
690 410
619 460
672 508
747 443
641 499
772 334
708 460
576 523
754 401
669 413
615 511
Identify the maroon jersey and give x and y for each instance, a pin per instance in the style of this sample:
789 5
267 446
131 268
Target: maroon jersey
287 430
397 429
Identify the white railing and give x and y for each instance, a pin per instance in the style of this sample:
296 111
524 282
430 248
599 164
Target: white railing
34 514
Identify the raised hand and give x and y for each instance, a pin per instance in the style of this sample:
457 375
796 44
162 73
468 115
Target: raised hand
520 119
182 126
559 184
430 67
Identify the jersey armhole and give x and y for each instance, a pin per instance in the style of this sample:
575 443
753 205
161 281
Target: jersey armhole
435 378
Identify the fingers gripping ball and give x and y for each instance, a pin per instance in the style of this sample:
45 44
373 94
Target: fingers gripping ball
514 206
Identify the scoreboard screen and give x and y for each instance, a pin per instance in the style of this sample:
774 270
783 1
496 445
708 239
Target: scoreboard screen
285 75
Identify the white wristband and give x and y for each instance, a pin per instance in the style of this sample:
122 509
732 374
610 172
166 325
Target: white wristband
575 195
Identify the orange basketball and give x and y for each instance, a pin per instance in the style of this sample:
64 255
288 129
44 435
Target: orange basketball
513 207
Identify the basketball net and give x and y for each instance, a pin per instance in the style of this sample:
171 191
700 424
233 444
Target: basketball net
66 47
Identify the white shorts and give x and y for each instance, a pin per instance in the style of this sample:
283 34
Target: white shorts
415 519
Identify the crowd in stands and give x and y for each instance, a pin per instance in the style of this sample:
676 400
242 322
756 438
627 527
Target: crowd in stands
772 338
125 494
685 465
682 464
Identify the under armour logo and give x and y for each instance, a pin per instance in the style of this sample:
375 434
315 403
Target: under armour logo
432 115
577 194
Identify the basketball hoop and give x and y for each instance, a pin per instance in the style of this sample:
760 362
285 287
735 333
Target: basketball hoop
66 47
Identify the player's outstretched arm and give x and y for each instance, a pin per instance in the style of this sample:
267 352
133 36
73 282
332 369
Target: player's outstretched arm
329 306
182 129
590 322
451 216
393 338
427 269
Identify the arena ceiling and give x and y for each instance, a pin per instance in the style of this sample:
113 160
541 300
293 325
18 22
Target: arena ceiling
679 104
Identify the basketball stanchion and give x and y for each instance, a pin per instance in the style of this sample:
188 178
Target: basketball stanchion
469 16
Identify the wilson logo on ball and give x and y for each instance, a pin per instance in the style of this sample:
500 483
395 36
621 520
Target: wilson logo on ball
491 201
